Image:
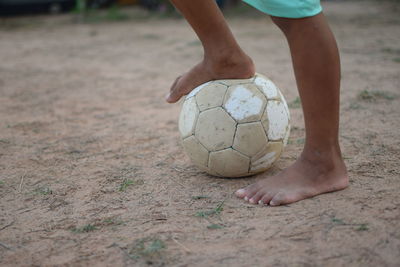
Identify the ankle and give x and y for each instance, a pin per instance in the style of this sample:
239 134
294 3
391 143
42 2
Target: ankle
326 158
232 64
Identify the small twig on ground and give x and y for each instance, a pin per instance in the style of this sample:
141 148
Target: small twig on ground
26 210
39 230
22 181
334 257
182 170
176 182
182 246
8 225
5 246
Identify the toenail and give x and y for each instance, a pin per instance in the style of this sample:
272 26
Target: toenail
246 198
260 202
240 191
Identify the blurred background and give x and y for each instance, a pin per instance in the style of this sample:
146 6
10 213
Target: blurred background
25 7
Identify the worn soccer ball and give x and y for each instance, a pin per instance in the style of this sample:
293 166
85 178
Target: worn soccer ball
234 128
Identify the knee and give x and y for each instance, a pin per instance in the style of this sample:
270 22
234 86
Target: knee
286 25
296 26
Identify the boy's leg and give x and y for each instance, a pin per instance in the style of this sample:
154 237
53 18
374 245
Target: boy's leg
320 168
223 58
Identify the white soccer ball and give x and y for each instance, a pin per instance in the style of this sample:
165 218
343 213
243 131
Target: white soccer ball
234 128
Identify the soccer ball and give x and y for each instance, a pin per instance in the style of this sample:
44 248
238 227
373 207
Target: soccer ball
236 127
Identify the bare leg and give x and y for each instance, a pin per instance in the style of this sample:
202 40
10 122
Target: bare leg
320 167
223 58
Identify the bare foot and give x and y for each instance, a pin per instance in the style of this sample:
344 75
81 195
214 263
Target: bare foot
307 177
234 66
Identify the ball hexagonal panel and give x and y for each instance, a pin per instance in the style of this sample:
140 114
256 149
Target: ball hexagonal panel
215 129
188 117
267 157
211 96
250 138
278 120
267 86
229 163
244 102
197 89
196 151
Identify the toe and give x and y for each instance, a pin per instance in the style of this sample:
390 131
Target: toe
174 84
174 93
279 199
265 199
173 96
247 192
257 197
241 193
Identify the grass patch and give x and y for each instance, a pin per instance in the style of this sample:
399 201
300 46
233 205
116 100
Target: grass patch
295 103
359 226
124 185
1 182
113 221
362 227
44 191
298 141
392 51
373 95
84 229
155 246
151 36
148 248
215 226
93 14
115 14
207 213
355 106
338 221
194 43
396 59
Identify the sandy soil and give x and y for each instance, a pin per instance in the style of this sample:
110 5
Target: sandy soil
92 172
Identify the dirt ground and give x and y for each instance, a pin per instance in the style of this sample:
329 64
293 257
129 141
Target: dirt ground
92 172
